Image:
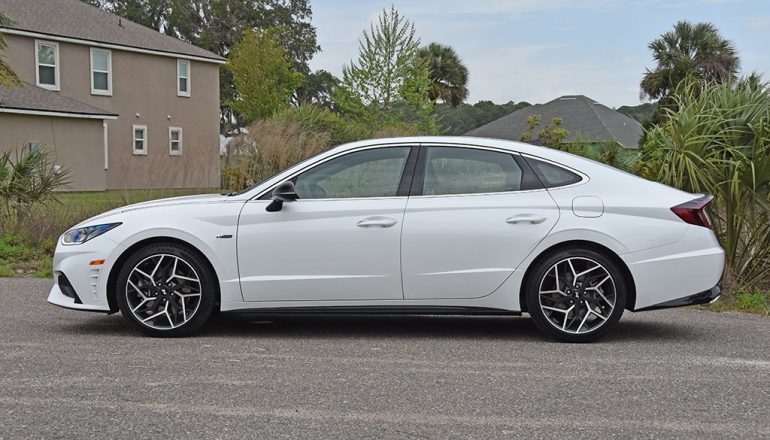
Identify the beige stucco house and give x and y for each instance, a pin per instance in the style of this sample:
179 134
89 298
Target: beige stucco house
118 104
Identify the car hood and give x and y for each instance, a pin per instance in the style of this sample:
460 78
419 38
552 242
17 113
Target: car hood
184 200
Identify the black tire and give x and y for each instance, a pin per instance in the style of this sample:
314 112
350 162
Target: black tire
543 274
207 287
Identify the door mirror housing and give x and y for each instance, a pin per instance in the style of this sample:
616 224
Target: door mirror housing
284 192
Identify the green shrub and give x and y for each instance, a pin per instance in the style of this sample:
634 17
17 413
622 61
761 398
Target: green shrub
314 119
26 180
12 248
19 258
6 271
755 301
718 142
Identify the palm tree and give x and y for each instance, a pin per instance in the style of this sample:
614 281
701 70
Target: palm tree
448 75
690 50
7 75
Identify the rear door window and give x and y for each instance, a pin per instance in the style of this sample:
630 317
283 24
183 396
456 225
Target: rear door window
453 170
552 175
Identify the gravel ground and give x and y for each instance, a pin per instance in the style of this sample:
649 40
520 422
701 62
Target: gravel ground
674 373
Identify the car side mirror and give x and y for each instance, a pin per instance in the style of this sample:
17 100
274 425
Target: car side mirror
284 192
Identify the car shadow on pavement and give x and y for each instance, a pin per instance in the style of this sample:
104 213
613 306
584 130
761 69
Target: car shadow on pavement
374 326
648 331
454 327
388 326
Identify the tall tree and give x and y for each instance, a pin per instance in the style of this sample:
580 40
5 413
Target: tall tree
217 25
388 73
689 50
465 117
262 75
318 88
448 74
7 75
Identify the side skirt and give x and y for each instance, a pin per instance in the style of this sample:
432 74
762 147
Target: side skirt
377 310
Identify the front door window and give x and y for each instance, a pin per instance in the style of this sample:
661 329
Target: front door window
362 174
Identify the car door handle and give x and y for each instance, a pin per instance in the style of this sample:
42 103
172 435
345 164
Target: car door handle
525 218
382 222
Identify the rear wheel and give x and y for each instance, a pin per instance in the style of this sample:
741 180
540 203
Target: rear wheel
166 290
576 295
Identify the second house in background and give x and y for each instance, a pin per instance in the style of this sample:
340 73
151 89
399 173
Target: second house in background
135 108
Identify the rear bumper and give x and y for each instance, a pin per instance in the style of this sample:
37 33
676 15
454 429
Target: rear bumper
670 274
705 297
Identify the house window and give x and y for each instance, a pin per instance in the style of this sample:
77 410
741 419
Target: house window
183 78
47 64
175 141
101 72
140 139
34 146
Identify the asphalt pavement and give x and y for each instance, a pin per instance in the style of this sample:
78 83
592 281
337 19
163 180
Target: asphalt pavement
663 374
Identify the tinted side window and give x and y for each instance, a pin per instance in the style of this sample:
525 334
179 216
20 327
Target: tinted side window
368 173
469 171
552 175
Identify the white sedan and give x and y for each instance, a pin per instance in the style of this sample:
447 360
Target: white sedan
422 225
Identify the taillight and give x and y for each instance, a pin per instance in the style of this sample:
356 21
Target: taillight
694 211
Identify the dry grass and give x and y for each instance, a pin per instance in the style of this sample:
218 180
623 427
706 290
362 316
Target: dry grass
196 167
292 136
271 146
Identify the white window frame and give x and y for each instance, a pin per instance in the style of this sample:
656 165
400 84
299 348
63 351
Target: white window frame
134 139
56 68
171 152
179 91
94 91
34 145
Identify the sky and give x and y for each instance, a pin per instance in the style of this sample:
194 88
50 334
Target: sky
538 50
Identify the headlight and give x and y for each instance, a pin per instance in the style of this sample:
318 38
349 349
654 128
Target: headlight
82 235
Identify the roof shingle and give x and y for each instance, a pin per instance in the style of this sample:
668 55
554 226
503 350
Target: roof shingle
581 116
76 19
32 98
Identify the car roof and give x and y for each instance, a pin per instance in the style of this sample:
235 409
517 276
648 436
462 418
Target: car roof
552 154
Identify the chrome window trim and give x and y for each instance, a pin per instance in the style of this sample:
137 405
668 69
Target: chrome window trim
583 176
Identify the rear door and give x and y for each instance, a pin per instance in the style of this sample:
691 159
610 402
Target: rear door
473 216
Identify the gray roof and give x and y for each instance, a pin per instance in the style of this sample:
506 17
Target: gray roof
584 119
76 19
28 97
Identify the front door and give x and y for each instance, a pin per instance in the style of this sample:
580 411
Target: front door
339 241
473 218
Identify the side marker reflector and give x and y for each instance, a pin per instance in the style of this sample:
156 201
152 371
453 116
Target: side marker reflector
96 263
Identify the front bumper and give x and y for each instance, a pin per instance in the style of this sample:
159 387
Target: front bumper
57 298
84 285
705 297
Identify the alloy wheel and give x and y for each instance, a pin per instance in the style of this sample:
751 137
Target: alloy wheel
577 295
163 291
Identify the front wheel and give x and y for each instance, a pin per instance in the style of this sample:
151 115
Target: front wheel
166 290
576 295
